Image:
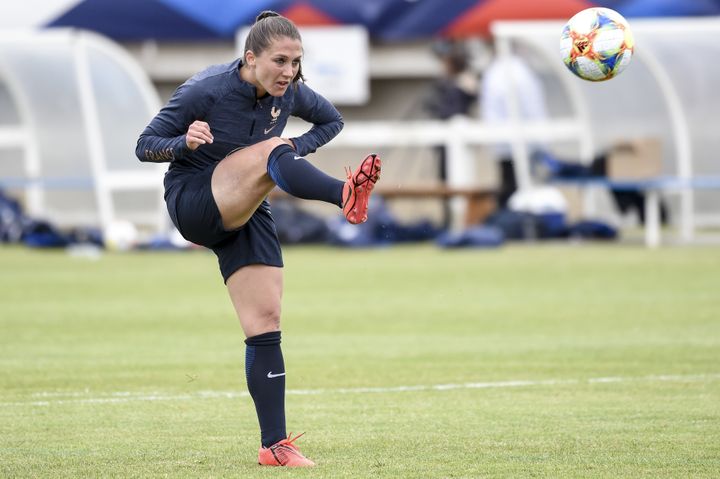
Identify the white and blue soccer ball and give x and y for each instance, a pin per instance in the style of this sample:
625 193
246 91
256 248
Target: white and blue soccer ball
596 44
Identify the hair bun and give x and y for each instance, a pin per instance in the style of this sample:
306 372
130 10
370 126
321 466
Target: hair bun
266 14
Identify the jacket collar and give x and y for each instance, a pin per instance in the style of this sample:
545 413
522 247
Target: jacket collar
246 88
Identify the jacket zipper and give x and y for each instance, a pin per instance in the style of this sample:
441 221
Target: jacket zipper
252 125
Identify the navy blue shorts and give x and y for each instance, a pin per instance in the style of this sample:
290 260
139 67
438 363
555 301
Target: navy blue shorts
193 210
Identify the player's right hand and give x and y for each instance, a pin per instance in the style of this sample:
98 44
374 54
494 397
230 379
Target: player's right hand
198 134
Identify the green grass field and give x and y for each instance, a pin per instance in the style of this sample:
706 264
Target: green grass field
528 361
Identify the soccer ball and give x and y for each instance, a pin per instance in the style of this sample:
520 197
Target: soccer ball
596 44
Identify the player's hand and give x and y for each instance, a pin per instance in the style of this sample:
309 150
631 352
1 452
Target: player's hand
198 134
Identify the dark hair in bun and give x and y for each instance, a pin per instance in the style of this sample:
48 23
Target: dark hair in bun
266 14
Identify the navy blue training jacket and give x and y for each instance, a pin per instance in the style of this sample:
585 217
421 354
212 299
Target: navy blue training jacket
237 119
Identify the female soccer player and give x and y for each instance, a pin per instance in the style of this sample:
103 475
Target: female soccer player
220 132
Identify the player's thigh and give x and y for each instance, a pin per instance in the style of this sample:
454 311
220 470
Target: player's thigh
240 182
256 294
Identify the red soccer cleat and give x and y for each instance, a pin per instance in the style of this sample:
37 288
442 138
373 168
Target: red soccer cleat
357 189
283 453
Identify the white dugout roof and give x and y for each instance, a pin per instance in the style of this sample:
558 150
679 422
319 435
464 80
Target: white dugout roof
72 105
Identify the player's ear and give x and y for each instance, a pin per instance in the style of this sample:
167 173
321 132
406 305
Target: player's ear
250 58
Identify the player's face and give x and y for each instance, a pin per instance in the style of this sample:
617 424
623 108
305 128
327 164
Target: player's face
276 66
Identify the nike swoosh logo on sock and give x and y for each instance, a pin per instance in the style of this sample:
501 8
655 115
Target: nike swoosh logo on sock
298 158
271 375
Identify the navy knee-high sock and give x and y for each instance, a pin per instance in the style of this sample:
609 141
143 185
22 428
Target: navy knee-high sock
265 372
295 175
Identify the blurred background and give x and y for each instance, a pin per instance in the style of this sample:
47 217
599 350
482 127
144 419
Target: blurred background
572 159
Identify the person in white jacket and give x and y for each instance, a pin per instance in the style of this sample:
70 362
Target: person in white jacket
503 73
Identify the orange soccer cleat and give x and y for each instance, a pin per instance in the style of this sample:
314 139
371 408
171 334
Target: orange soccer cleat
283 453
357 189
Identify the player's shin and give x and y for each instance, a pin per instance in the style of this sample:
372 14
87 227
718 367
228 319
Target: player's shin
265 372
298 177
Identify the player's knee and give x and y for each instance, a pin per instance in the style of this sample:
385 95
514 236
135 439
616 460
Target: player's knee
270 144
275 141
268 317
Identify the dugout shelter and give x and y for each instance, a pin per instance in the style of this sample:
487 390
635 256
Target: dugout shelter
668 93
72 104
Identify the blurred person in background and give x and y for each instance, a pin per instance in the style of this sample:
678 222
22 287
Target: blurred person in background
502 74
220 132
454 93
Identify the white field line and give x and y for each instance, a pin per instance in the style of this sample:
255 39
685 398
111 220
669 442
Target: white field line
91 397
